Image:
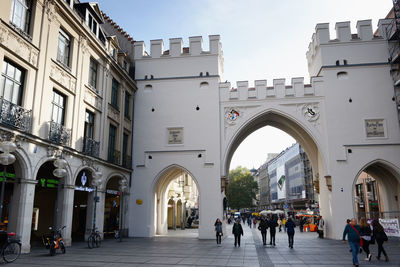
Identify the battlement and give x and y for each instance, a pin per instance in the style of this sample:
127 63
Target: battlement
278 89
343 34
176 48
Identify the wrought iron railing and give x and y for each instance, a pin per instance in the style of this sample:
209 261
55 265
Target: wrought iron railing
15 116
114 156
91 147
127 161
59 134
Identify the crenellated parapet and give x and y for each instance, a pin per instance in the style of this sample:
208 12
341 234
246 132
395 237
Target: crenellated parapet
343 36
176 48
278 90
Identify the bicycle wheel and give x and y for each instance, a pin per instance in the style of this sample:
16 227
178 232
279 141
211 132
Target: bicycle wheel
97 240
62 247
11 251
91 241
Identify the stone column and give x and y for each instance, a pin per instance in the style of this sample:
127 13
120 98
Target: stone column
66 207
21 219
100 212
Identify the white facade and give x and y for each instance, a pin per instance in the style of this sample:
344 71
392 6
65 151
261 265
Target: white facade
333 119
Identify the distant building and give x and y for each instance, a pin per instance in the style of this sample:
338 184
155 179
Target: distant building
286 179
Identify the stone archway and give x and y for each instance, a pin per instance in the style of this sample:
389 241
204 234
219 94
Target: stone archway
171 204
377 190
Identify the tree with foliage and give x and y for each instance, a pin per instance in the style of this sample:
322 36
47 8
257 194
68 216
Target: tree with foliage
242 188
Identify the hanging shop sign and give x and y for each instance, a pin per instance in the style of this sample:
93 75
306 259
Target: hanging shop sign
83 186
48 183
9 177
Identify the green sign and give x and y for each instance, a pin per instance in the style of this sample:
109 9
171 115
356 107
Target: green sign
49 183
8 175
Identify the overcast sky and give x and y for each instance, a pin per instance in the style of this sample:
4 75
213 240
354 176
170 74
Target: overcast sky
261 39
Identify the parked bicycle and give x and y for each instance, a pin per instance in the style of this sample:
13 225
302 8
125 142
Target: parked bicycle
94 239
11 248
54 241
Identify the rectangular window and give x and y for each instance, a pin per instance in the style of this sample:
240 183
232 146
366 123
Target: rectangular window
92 24
124 149
114 93
112 51
93 73
89 125
20 14
111 143
58 108
64 48
127 105
11 83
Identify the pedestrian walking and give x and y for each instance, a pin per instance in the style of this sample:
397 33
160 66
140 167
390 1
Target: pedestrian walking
283 224
321 224
365 233
352 230
378 234
249 221
272 224
280 224
237 231
218 230
301 224
263 226
289 229
254 222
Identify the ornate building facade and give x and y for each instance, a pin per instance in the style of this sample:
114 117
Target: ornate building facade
66 92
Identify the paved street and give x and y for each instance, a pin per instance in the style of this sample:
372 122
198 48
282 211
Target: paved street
189 251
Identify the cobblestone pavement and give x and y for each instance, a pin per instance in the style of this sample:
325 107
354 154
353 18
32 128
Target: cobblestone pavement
189 251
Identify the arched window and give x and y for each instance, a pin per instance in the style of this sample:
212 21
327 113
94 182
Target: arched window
342 75
204 84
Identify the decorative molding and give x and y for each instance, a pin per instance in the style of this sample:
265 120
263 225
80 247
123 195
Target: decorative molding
83 44
88 162
59 75
107 70
19 45
93 99
310 112
113 113
6 136
51 10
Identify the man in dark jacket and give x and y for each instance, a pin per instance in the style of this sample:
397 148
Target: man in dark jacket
263 226
289 226
352 230
272 224
237 231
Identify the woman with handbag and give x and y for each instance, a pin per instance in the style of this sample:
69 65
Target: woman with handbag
352 230
380 236
365 232
218 230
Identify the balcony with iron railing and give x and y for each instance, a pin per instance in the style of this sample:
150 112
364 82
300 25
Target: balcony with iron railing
15 116
59 134
91 147
114 156
127 162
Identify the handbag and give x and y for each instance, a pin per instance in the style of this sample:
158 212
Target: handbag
361 241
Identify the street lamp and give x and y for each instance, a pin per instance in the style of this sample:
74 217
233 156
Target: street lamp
5 159
96 181
59 172
122 187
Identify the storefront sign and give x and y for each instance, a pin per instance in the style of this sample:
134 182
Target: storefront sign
49 183
83 182
375 128
391 226
113 192
11 176
175 136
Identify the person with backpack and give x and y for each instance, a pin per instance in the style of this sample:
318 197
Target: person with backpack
378 234
272 224
263 226
352 230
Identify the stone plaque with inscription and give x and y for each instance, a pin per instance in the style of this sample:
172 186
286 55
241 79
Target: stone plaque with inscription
175 136
375 128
